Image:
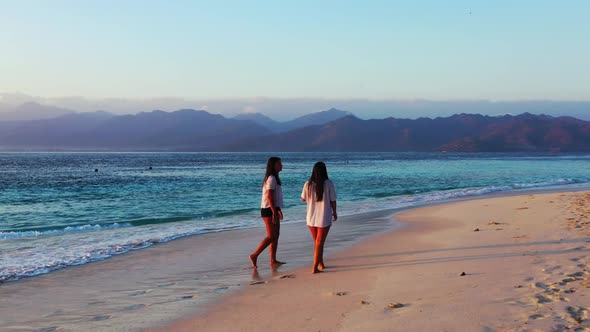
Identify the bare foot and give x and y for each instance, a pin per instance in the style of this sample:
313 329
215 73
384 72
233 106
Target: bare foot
315 271
255 275
321 266
277 263
253 259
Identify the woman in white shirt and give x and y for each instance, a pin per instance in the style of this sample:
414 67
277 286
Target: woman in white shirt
320 195
270 210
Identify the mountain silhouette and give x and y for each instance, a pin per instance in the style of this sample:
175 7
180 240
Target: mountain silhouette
260 119
33 111
183 130
317 118
457 133
193 130
313 119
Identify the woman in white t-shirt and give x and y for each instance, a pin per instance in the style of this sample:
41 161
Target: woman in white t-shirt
320 195
270 210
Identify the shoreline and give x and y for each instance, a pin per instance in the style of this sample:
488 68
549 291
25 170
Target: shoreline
526 269
163 282
129 248
146 287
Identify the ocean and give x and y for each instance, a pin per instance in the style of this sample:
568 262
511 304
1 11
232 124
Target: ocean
64 209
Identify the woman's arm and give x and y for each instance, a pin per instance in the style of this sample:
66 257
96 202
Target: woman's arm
304 192
270 194
332 194
334 213
275 214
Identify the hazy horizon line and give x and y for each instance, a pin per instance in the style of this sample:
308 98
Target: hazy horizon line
289 108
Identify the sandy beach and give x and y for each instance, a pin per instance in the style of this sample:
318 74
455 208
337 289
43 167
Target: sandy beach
154 286
499 264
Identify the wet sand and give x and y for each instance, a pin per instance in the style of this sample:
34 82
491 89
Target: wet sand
517 263
156 285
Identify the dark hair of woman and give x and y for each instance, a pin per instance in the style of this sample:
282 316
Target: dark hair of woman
270 169
319 174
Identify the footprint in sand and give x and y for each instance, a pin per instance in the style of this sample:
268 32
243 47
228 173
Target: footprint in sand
257 282
536 316
288 276
543 299
221 289
139 292
135 307
567 280
167 284
100 317
48 329
578 274
185 297
550 293
96 302
579 314
551 269
553 290
539 284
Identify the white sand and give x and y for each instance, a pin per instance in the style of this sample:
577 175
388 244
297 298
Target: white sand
527 269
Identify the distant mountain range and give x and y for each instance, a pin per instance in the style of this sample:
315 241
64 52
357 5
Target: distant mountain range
457 133
183 130
31 111
304 121
331 130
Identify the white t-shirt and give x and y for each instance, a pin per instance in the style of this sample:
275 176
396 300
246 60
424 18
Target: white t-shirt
319 214
271 184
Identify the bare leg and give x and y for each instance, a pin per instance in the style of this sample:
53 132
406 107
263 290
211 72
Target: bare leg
314 235
318 257
314 232
265 242
274 245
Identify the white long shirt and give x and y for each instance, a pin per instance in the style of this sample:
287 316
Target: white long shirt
319 214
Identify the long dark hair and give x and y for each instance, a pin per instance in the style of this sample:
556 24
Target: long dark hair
270 169
319 175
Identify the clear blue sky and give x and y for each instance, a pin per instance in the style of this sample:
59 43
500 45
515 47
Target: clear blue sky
442 50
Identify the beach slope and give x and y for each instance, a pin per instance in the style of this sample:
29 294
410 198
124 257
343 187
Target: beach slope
516 263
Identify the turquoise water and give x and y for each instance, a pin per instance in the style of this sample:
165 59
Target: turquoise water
57 211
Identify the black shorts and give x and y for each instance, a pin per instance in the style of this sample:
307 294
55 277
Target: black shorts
265 213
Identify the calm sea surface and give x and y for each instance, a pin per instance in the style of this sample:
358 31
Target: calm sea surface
57 211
